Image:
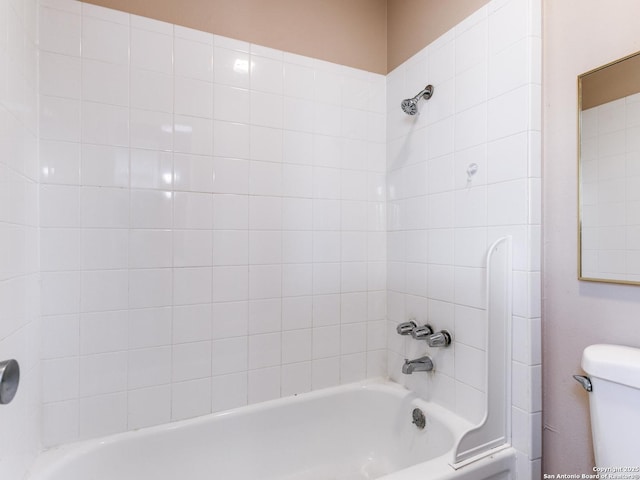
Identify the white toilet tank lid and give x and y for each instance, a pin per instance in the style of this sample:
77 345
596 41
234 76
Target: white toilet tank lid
616 363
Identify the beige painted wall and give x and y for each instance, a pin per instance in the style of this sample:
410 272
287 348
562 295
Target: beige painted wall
579 35
348 32
413 24
612 82
373 35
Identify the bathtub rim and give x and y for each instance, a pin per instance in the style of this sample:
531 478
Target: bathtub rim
49 459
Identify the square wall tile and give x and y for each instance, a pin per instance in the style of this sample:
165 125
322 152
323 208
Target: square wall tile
230 356
263 384
103 374
60 75
296 378
105 40
105 82
103 332
60 119
60 31
151 90
193 59
191 361
60 422
149 406
190 399
151 50
149 367
228 391
102 415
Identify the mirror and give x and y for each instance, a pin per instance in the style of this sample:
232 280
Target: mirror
609 172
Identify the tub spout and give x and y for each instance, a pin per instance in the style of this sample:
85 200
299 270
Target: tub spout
422 364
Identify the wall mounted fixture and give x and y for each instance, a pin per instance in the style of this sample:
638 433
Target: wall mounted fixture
422 333
406 328
433 339
9 380
439 339
410 105
471 171
422 364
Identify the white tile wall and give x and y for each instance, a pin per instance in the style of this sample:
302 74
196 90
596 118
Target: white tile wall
213 217
609 181
212 222
20 328
484 111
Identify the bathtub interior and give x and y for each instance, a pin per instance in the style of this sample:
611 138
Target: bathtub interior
360 432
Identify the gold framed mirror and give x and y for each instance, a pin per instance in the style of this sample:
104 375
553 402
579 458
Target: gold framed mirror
609 172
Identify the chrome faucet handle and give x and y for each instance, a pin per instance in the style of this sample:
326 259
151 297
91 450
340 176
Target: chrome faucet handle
440 339
405 328
422 333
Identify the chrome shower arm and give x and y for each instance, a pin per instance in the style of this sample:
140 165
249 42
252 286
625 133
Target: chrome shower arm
426 93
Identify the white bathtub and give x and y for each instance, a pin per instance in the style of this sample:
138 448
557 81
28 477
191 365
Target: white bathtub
357 431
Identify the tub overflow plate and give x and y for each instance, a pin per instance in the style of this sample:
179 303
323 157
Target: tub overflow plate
418 418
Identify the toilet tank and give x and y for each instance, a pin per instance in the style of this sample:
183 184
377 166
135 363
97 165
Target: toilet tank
614 402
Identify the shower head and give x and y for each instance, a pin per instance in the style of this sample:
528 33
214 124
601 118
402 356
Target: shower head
410 105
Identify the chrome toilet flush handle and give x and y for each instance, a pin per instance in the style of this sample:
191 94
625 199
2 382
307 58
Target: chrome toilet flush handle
584 381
